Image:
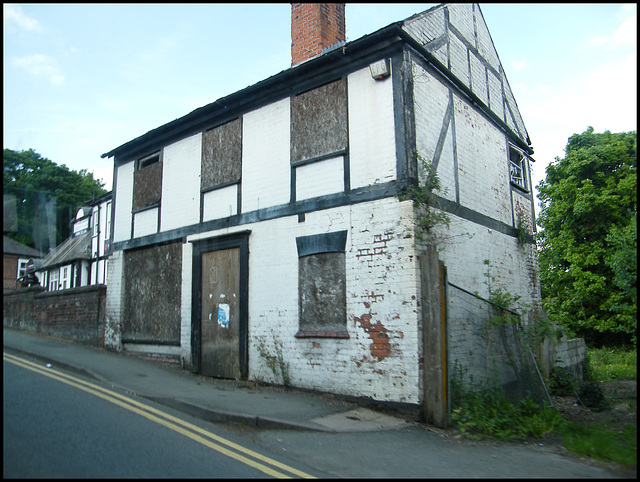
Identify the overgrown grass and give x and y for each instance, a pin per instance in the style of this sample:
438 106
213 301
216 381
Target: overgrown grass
483 412
608 364
601 442
488 413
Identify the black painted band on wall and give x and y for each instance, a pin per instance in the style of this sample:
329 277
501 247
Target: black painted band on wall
322 243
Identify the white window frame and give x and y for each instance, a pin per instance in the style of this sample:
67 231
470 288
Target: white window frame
54 280
96 223
22 267
518 162
107 231
64 278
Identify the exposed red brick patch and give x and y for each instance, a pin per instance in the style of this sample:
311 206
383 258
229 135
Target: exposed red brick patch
380 348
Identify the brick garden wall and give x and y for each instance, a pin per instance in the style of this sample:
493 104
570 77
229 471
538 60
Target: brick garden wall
76 314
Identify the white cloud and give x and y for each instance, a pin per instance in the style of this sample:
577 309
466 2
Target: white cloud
39 64
625 35
518 65
14 16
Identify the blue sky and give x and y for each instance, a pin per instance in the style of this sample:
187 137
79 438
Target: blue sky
82 79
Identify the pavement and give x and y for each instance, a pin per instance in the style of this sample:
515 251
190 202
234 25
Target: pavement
211 399
330 433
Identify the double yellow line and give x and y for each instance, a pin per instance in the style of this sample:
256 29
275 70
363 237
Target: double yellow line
215 442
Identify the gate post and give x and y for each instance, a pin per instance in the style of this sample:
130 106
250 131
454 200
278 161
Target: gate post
434 339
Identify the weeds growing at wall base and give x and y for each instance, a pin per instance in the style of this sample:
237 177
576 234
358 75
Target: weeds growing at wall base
275 362
605 433
484 411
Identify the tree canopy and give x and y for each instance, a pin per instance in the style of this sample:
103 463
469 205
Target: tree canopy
588 244
42 197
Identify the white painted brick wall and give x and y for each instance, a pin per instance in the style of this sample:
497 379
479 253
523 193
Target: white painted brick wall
320 178
181 183
114 308
123 194
482 164
428 27
461 17
431 101
496 100
145 222
484 187
266 170
220 203
185 310
463 62
458 59
478 78
372 146
382 282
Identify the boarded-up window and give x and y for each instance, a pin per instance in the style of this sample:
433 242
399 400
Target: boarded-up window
153 281
322 285
319 122
147 182
222 155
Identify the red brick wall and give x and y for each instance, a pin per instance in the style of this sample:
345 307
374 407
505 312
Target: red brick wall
10 272
76 314
315 26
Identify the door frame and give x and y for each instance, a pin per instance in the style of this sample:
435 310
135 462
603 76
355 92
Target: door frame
235 240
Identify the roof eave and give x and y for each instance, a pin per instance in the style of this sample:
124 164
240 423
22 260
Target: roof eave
275 87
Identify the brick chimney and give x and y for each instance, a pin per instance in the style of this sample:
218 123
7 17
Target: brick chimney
315 26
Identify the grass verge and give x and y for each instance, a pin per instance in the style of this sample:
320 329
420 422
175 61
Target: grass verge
607 364
607 434
600 442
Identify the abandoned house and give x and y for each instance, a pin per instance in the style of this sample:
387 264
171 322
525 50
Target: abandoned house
81 259
271 223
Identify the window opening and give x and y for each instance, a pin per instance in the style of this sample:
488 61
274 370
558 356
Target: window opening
517 167
322 286
53 280
147 161
107 233
22 267
95 223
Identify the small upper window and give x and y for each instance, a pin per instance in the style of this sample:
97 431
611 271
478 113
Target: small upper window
147 182
107 231
147 161
517 168
96 226
22 267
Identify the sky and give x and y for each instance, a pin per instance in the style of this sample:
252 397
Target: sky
82 79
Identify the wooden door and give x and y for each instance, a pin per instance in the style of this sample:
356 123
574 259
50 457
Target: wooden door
220 314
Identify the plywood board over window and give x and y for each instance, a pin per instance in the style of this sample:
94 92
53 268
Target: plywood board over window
222 155
147 183
153 280
322 286
319 122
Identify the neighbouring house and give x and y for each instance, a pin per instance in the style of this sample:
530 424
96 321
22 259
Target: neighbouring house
81 259
264 236
16 257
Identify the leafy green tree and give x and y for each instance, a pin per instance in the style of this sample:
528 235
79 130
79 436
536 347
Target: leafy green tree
588 242
46 195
